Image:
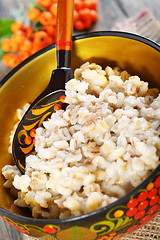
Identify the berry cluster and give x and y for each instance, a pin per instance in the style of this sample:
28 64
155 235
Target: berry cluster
85 14
26 40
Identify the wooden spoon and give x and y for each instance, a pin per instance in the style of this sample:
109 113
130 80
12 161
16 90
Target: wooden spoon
52 98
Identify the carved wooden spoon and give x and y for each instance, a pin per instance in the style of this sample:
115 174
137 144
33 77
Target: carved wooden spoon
52 98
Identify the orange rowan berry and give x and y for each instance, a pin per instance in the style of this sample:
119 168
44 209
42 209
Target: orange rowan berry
75 15
84 14
78 4
26 45
11 59
93 15
33 14
17 25
88 24
44 3
5 57
28 31
50 40
9 45
79 25
38 45
51 30
23 55
5 44
19 36
92 4
40 37
46 18
53 9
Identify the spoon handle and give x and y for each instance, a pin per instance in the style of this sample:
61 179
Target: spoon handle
64 29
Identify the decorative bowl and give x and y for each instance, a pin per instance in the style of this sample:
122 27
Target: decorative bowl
134 53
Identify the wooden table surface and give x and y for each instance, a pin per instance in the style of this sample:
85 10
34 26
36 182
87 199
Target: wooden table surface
110 12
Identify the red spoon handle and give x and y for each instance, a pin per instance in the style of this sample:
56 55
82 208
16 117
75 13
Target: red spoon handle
64 24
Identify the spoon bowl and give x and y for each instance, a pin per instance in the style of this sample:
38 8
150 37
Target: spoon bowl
23 142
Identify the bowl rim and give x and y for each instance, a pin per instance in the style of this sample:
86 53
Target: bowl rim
102 210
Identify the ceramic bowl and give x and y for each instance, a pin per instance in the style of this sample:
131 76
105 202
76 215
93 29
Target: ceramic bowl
131 52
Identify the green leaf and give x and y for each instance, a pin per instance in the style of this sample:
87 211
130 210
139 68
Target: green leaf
1 53
5 28
5 32
42 9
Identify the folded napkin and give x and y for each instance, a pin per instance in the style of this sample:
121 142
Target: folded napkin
144 23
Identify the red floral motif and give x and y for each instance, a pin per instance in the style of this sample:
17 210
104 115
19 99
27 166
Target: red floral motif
132 203
153 209
139 214
49 229
157 182
154 200
132 228
142 196
152 193
131 212
143 205
152 216
145 219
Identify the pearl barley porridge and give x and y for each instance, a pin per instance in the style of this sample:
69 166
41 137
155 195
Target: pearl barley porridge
103 145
